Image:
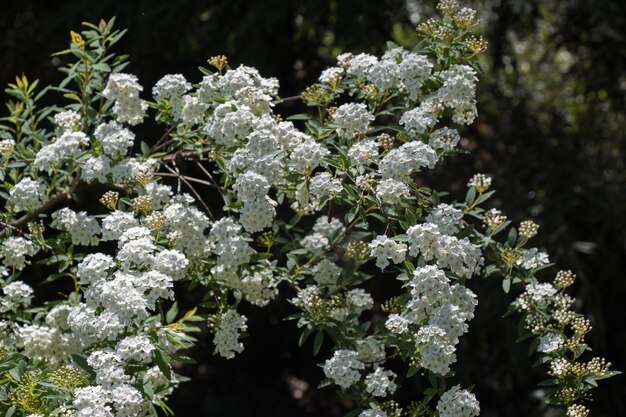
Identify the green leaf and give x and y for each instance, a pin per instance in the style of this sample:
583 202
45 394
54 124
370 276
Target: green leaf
317 343
470 196
172 313
512 239
506 284
162 360
82 363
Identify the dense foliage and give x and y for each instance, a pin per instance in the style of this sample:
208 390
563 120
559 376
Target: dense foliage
348 121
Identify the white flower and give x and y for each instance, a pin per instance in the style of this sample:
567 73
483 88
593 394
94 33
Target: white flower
124 90
363 153
65 147
401 162
352 119
27 194
380 382
397 324
550 342
419 119
456 402
391 191
67 120
114 138
14 251
444 138
171 87
227 334
330 75
446 217
383 249
343 368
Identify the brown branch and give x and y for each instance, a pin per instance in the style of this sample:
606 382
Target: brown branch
183 178
176 156
159 143
22 221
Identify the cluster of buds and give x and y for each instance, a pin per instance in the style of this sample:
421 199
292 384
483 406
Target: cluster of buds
385 140
476 45
109 199
528 229
316 94
366 182
564 279
219 62
6 147
142 204
69 377
357 250
481 182
493 218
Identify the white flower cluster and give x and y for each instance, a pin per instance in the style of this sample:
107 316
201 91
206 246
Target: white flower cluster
124 90
114 138
532 259
373 412
171 87
445 139
68 145
27 194
380 382
363 153
343 368
351 120
457 402
420 119
445 308
459 255
382 248
185 225
326 272
258 209
14 251
398 69
446 218
323 230
550 342
83 229
227 334
458 93
390 191
67 120
324 185
409 158
16 294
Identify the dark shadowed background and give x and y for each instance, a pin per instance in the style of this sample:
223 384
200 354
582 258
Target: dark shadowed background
551 131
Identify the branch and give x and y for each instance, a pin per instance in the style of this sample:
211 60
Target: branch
184 179
159 143
22 221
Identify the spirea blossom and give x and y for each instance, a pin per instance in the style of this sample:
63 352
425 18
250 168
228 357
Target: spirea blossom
27 194
382 248
14 251
227 334
124 90
343 368
352 119
380 382
457 402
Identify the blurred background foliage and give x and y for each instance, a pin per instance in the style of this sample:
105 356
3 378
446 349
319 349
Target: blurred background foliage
551 131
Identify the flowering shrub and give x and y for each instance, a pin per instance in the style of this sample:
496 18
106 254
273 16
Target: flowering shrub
313 207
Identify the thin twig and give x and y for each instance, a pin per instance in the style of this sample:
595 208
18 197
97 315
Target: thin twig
188 178
163 138
190 186
22 221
